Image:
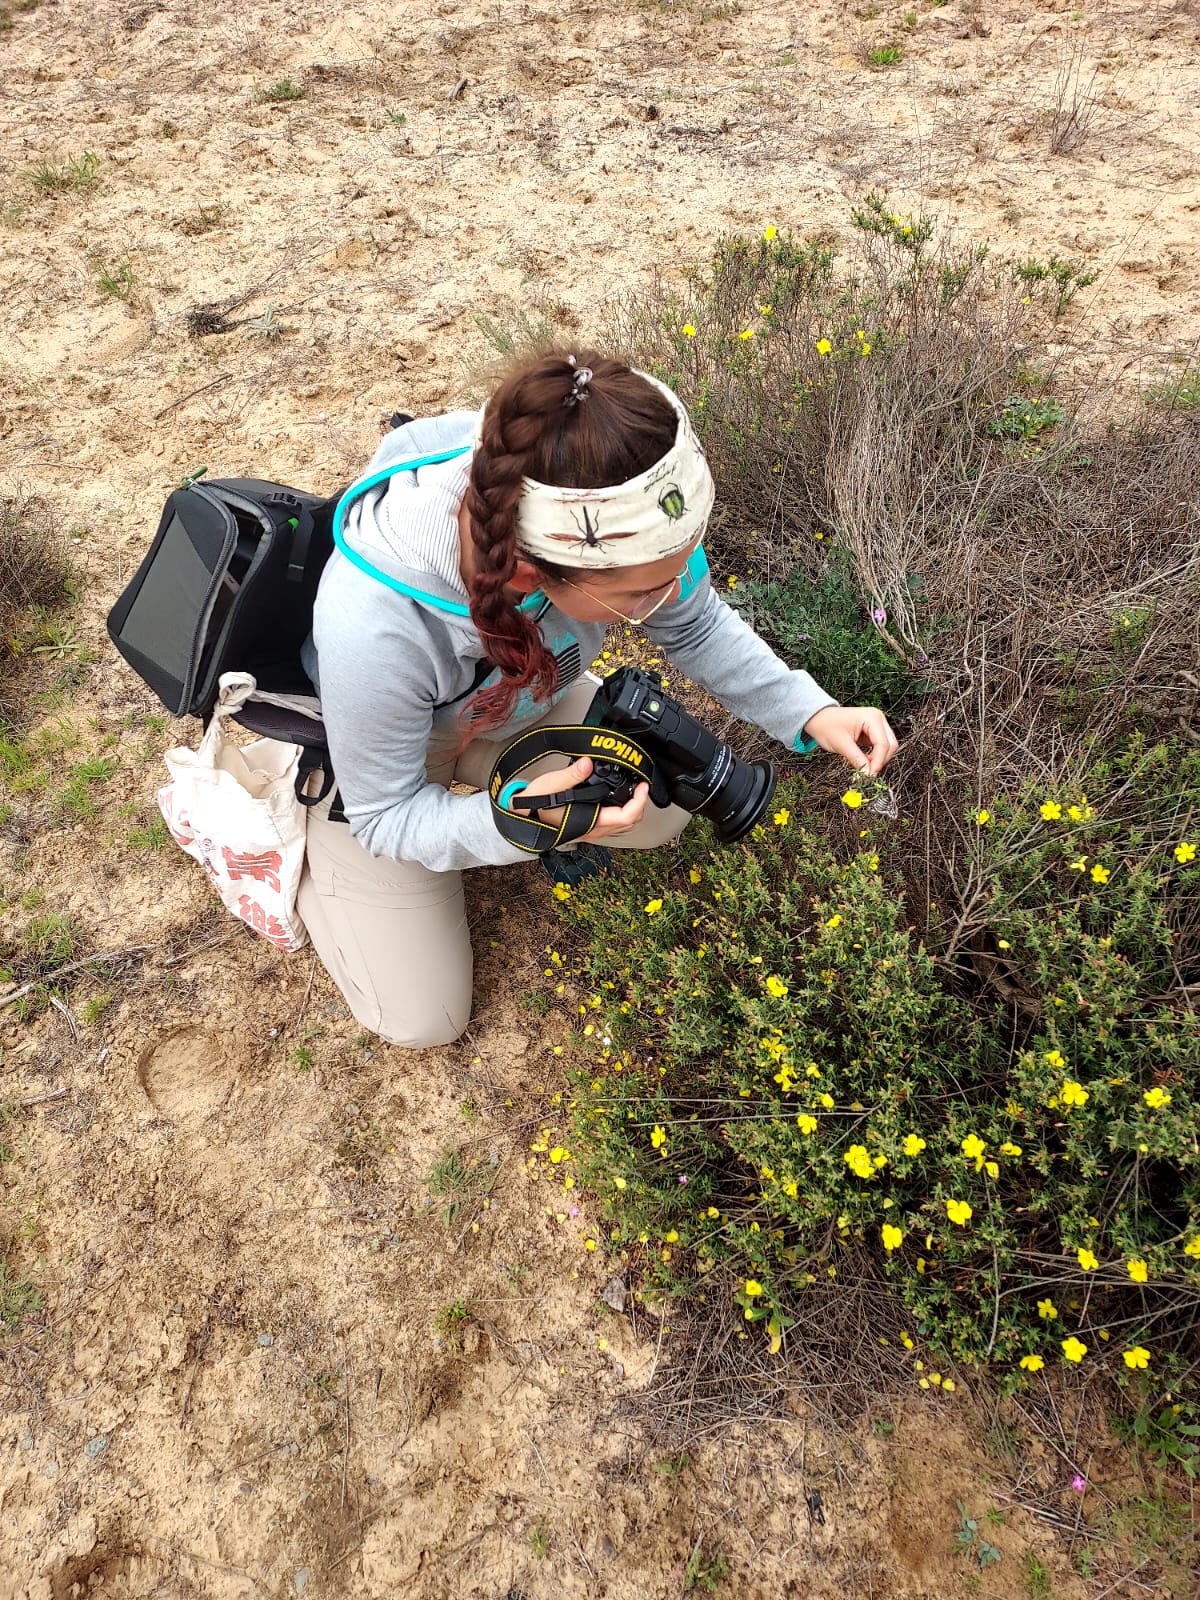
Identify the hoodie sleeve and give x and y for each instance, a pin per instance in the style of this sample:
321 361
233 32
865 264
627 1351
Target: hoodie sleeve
719 650
379 686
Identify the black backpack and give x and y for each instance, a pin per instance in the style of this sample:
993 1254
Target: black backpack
228 584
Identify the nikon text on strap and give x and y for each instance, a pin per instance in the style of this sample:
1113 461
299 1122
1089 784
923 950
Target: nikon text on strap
625 761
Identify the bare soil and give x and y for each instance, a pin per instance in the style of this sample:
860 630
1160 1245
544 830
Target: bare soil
242 1382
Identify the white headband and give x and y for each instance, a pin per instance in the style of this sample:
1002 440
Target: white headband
654 515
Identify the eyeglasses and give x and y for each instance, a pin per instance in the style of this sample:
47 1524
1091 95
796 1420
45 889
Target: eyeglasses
636 622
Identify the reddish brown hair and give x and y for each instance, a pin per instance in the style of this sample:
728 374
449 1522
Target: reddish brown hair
623 427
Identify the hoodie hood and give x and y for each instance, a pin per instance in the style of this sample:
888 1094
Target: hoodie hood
406 527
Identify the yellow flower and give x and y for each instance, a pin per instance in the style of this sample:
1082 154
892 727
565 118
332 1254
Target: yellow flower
948 1385
658 1137
561 892
1080 865
1099 874
620 1183
865 348
983 816
859 333
769 232
688 331
765 311
1032 1363
776 987
973 1146
782 817
892 1237
753 1288
1055 1058
1074 1349
1192 1248
589 1244
1156 1097
746 333
652 906
852 798
959 1211
1185 852
1051 811
559 1154
1075 813
806 1124
1010 1149
834 921
1073 1094
827 1101
671 1238
1086 1259
732 582
712 1212
858 1159
694 874
1137 1271
913 1144
823 347
1046 1310
1136 1358
992 1168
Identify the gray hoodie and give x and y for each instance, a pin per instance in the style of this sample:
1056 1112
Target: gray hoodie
395 663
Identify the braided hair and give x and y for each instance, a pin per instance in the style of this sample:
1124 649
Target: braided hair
536 425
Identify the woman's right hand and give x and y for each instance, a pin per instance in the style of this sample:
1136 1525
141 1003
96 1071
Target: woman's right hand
613 820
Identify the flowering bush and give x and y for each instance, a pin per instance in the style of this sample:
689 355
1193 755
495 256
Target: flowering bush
1002 1111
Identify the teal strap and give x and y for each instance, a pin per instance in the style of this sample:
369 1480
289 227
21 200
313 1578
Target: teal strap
356 559
504 798
697 566
803 745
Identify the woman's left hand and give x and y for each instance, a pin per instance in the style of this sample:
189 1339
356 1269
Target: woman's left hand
862 735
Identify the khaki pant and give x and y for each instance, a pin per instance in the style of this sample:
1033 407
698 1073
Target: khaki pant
392 934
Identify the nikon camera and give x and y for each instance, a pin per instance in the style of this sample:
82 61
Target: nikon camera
691 768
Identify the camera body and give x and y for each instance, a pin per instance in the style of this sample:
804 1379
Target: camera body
692 769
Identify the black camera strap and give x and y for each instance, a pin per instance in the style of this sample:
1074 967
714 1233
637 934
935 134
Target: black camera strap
581 804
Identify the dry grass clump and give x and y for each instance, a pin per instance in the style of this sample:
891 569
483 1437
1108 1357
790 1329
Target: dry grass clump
34 572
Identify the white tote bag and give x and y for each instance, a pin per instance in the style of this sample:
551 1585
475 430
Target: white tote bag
234 810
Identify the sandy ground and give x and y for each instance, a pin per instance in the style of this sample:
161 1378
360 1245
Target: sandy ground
237 1386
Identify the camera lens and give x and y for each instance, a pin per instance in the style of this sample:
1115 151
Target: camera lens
731 793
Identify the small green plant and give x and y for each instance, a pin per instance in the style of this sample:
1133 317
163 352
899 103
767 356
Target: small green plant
451 1320
1060 278
204 219
886 55
1025 420
512 331
671 1467
18 1299
266 326
57 642
1170 1436
302 1056
1181 393
539 1539
154 836
460 1180
285 89
75 798
704 1571
968 1541
1037 1577
399 118
116 281
537 1001
94 1008
76 173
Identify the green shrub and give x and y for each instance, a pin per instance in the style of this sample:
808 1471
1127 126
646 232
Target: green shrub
998 1117
820 622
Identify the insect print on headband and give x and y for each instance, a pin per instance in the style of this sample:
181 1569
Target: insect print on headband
672 503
